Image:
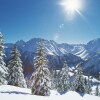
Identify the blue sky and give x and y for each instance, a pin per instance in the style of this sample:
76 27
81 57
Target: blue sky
26 19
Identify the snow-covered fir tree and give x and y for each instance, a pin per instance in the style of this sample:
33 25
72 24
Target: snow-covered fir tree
53 79
40 79
57 79
64 84
79 83
88 86
99 76
3 68
97 92
15 71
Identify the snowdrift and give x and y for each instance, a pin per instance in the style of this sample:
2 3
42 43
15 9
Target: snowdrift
15 93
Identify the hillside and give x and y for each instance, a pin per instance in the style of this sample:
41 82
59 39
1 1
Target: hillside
58 53
15 93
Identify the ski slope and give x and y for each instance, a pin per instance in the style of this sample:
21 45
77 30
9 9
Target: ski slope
15 93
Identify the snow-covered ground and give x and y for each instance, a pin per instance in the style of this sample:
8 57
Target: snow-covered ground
15 93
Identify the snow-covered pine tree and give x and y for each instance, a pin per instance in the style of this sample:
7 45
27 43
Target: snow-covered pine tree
64 84
53 79
58 80
97 92
99 76
40 79
3 68
79 80
88 86
15 71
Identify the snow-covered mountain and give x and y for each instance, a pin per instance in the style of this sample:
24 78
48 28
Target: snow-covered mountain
51 47
57 53
91 49
92 54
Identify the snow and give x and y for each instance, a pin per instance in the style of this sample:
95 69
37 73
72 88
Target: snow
15 93
2 70
83 54
49 51
10 89
63 51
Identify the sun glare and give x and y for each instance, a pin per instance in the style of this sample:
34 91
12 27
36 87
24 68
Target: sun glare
72 6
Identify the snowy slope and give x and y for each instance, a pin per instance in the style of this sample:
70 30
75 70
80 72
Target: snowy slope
57 54
51 46
82 50
15 93
76 52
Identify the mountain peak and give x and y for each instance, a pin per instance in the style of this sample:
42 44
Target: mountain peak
20 43
36 39
57 53
95 41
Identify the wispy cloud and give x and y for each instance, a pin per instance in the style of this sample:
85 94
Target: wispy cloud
61 26
56 36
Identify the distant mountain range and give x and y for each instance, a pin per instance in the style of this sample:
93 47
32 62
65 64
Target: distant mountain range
88 53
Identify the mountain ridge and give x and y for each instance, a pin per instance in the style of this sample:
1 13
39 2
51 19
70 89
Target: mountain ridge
72 53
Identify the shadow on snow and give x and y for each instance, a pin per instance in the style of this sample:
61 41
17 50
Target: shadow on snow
15 92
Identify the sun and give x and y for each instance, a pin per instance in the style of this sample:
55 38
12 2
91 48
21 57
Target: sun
72 7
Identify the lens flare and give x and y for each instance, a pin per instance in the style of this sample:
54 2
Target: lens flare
72 6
